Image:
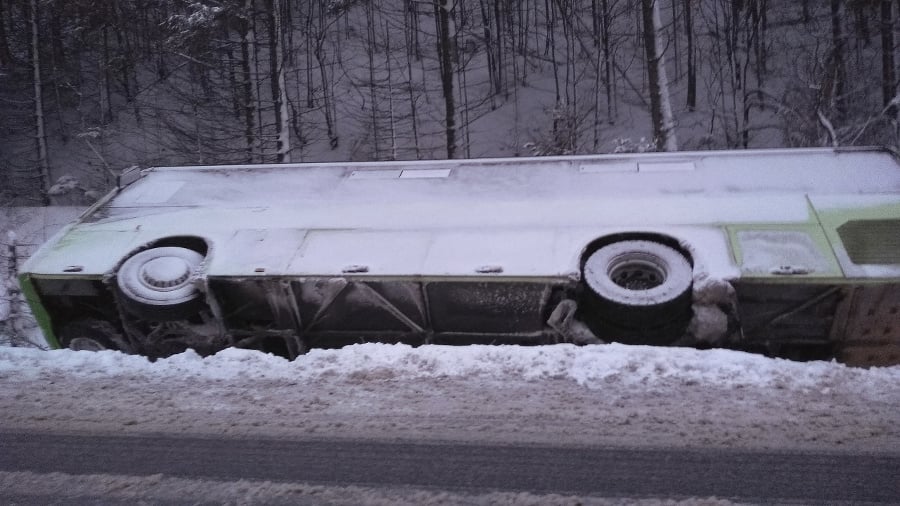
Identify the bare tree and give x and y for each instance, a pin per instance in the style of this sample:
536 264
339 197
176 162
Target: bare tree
277 81
5 54
837 71
248 98
691 66
888 80
40 134
660 105
373 100
324 21
445 25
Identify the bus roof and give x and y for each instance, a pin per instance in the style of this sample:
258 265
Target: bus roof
813 171
439 217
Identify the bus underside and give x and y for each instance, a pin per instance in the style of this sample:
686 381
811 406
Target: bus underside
854 323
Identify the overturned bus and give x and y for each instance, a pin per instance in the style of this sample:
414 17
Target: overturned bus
789 252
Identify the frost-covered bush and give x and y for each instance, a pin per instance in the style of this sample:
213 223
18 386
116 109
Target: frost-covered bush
17 325
626 145
63 185
339 6
69 190
194 27
561 137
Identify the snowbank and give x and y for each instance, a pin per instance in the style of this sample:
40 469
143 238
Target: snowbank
594 367
606 395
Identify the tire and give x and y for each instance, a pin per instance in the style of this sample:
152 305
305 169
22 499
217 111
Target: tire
638 290
157 284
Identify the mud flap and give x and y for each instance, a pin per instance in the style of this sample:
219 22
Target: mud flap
563 321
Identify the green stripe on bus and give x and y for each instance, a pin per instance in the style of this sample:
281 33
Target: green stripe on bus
38 310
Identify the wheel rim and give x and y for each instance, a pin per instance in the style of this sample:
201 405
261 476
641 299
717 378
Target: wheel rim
165 274
636 275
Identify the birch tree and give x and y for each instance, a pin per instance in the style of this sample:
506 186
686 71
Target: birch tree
660 105
277 76
248 98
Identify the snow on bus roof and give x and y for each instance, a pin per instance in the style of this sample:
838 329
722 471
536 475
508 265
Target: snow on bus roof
509 179
456 215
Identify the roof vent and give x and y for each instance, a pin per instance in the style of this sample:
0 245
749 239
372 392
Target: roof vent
665 166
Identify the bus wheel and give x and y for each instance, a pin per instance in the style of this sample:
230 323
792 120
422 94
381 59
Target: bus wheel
157 284
642 289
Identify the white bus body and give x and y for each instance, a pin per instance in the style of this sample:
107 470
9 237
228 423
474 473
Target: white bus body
787 251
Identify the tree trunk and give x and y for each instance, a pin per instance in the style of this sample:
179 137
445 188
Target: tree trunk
123 44
370 52
327 94
498 20
248 39
493 72
413 9
754 41
258 84
691 101
887 55
390 90
276 62
40 135
608 61
660 106
310 97
838 72
463 90
550 49
106 109
763 37
5 55
861 21
443 14
733 30
412 105
676 59
57 52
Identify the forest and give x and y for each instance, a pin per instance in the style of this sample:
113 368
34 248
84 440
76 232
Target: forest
89 88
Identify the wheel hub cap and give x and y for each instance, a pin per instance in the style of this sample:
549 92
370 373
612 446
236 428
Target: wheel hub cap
165 272
636 275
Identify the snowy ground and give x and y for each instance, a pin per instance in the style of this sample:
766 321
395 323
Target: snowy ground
158 489
606 395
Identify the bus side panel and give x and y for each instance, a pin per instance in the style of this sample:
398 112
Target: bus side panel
856 323
867 325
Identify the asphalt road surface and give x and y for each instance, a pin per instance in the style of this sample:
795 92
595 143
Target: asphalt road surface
741 475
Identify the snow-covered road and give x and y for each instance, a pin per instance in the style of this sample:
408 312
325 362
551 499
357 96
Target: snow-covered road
593 395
